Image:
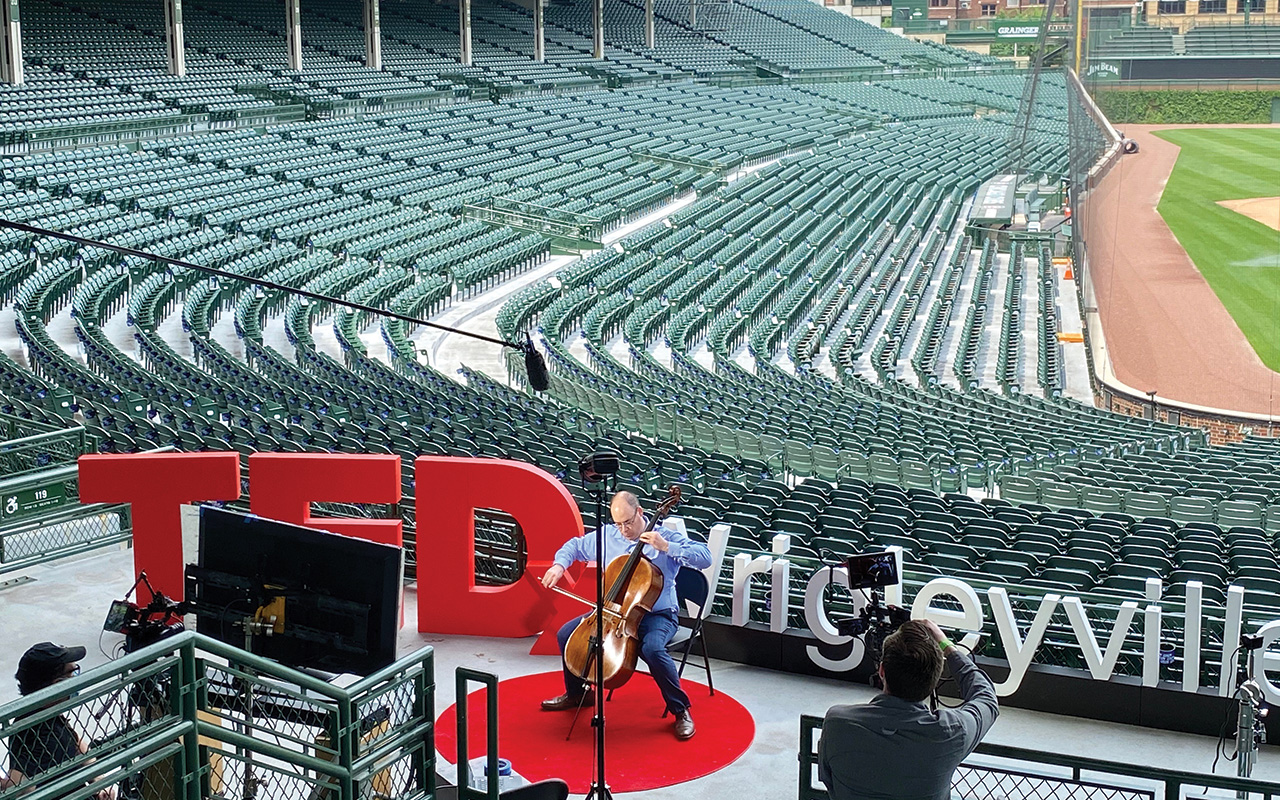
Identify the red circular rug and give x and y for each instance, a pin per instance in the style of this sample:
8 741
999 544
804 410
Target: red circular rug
641 749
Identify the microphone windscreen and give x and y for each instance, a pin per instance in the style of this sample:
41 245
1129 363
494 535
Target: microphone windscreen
535 366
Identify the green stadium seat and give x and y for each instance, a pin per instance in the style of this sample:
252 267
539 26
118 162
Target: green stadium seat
1019 490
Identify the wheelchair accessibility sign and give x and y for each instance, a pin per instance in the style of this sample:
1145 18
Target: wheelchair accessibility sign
32 501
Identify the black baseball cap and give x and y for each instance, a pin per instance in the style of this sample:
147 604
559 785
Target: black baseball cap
42 664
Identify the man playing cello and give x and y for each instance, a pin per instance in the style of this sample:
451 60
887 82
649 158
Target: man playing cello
669 551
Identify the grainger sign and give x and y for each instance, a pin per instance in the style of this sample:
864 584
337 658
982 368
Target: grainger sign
1029 30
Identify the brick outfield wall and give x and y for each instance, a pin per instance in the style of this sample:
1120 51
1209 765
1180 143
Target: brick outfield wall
1222 429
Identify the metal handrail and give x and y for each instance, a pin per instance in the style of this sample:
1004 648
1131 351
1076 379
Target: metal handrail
88 778
179 732
36 438
9 422
462 677
26 454
64 515
1172 780
17 483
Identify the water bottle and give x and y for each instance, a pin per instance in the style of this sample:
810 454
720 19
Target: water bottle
478 770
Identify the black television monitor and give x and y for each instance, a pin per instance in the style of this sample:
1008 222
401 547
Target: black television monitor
335 599
872 570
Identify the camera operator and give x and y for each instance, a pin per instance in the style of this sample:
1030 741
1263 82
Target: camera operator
894 746
52 742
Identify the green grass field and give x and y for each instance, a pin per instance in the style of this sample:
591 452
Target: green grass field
1238 256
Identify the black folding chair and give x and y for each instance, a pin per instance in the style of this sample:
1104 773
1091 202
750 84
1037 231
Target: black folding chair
691 587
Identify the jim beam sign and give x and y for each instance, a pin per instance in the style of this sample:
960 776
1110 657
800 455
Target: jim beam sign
1103 71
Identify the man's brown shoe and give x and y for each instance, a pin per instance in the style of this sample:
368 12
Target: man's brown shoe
684 725
567 700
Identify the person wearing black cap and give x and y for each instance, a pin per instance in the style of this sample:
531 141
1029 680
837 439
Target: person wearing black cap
46 744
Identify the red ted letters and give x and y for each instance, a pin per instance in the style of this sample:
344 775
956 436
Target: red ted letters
157 484
283 486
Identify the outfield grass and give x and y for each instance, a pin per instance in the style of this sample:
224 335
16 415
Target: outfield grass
1239 257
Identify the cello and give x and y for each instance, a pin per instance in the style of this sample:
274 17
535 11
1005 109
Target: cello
635 584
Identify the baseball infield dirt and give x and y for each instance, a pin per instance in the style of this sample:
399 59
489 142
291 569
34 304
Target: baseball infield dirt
1165 328
1260 209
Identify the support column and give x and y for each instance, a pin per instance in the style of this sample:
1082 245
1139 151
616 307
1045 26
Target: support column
464 32
293 33
10 44
539 33
649 36
693 12
1076 14
597 28
372 35
173 38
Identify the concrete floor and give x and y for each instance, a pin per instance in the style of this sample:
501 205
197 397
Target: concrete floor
67 602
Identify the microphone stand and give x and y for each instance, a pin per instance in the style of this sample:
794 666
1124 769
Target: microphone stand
599 787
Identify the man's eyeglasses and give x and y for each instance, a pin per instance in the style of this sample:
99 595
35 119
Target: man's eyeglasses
627 523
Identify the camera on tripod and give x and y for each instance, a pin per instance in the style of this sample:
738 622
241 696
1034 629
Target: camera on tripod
145 625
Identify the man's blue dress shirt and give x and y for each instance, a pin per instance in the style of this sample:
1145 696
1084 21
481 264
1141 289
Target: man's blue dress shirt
682 552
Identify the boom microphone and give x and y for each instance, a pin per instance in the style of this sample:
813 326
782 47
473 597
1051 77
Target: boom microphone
535 366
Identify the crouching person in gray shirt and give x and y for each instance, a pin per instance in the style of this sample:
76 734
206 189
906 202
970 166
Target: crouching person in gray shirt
894 746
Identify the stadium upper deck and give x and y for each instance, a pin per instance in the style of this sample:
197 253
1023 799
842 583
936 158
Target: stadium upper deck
236 61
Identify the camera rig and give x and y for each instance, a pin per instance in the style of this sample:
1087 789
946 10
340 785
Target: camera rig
143 625
876 620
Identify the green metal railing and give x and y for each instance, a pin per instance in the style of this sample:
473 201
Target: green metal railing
53 135
12 427
1231 19
462 678
40 516
41 519
190 717
579 231
1032 774
41 450
38 494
